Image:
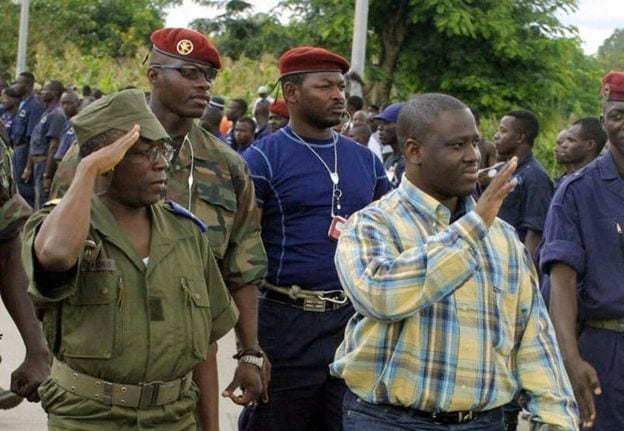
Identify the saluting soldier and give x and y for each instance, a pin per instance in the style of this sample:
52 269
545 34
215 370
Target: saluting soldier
213 181
129 289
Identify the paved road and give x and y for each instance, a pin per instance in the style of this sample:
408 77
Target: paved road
31 417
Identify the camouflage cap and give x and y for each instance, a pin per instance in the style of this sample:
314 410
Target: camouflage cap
120 111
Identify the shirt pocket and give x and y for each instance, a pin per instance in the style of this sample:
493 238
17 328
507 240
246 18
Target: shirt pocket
198 317
90 312
217 209
501 326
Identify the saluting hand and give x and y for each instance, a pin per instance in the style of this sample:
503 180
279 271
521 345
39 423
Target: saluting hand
105 159
492 198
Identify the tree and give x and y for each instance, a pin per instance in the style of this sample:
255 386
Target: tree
611 52
107 28
237 32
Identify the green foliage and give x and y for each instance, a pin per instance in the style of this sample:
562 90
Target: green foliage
611 53
106 28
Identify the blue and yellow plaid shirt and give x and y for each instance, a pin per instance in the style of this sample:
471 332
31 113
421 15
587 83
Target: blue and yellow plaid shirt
449 317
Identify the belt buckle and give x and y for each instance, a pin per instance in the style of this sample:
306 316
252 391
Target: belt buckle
620 325
313 303
149 394
465 416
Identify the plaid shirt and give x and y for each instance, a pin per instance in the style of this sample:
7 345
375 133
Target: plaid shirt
449 317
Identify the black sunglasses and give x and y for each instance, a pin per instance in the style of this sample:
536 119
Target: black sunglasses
190 72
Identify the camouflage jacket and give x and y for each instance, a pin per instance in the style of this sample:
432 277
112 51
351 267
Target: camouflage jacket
222 196
14 209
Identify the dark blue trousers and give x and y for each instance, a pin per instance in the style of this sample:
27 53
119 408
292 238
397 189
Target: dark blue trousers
604 350
25 188
362 416
300 345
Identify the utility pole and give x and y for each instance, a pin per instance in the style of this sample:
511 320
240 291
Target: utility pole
23 38
358 49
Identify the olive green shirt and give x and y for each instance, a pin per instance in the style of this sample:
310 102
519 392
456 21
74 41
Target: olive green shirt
113 318
222 196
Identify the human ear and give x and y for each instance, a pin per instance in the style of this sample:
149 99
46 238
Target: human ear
412 150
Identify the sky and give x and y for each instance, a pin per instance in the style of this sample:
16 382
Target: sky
595 19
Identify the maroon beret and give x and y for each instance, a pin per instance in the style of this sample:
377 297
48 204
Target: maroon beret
306 59
612 87
279 107
186 44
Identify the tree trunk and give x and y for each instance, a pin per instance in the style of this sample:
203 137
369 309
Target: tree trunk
391 36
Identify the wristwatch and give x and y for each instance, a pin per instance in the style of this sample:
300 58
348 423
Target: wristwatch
255 360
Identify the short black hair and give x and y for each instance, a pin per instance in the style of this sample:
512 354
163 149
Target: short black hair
528 122
356 101
249 121
295 78
100 141
242 103
421 112
10 92
591 129
56 87
30 78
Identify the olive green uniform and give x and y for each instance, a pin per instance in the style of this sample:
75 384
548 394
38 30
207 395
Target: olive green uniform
14 210
114 318
222 197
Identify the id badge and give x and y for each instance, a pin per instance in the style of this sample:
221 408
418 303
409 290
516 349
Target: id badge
335 228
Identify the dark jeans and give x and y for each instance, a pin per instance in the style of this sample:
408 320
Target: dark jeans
362 416
26 189
300 345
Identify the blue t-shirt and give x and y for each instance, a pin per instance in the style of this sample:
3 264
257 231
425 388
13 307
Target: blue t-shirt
68 136
294 190
585 230
527 204
50 126
27 118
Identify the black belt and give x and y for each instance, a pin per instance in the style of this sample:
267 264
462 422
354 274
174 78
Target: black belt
308 304
443 418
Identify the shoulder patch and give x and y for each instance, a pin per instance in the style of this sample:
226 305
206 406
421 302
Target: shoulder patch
51 203
183 212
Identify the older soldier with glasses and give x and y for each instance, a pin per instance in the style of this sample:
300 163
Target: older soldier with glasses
130 292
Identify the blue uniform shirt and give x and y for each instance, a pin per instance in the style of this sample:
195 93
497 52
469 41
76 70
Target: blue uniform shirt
527 204
294 191
50 126
68 137
28 116
584 229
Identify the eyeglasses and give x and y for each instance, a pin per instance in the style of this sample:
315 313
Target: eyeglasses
190 72
152 153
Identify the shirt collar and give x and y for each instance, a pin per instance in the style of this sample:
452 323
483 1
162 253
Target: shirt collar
431 206
606 165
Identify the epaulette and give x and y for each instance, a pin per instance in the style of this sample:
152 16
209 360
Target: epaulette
181 211
52 203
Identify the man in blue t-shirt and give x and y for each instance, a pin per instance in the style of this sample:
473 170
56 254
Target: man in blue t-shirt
28 116
526 205
308 180
44 142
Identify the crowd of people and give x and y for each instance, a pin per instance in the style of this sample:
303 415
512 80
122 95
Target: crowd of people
383 268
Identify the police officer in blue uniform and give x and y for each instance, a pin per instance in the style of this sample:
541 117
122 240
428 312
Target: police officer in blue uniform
28 116
584 255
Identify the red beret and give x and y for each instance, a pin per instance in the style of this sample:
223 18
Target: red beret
612 87
279 107
306 59
185 44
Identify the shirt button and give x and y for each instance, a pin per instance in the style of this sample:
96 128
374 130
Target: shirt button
197 296
104 291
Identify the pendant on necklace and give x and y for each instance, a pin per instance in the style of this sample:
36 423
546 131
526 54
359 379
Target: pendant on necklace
334 177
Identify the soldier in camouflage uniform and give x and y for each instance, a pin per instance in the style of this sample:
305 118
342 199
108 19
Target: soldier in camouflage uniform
13 213
112 261
213 182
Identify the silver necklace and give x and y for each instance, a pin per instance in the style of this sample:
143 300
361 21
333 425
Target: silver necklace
333 175
335 179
